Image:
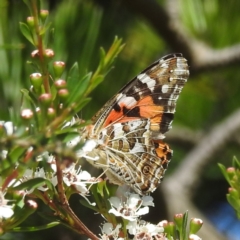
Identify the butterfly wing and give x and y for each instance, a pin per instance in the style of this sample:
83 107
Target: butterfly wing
131 125
132 157
152 95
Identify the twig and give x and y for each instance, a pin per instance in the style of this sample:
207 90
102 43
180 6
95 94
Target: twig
73 221
167 24
184 135
188 172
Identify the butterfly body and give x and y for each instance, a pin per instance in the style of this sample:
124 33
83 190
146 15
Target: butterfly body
126 137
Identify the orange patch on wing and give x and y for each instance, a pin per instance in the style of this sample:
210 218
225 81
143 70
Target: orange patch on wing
155 123
118 116
163 149
148 108
113 116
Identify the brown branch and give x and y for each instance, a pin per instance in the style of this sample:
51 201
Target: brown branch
178 202
187 176
196 161
167 24
184 134
72 220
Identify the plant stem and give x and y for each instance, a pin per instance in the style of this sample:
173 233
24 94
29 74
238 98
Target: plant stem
75 223
40 47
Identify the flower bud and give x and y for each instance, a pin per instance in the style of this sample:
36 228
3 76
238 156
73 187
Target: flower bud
44 14
45 98
231 171
169 228
195 225
60 84
233 198
163 223
36 80
38 110
26 114
51 113
233 193
63 94
48 53
178 218
35 54
30 22
58 68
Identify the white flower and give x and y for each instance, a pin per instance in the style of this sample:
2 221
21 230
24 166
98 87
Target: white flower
8 126
4 154
77 178
74 142
5 210
45 156
109 232
194 237
40 173
144 230
147 201
14 182
132 208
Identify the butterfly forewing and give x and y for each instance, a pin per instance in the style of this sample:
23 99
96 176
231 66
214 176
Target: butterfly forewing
152 94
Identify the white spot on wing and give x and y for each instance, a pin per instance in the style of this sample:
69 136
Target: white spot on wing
144 78
165 88
141 76
138 147
128 101
119 96
163 64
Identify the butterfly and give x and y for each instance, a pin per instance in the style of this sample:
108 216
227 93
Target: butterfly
126 135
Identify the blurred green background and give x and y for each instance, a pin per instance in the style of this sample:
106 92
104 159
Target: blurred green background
81 27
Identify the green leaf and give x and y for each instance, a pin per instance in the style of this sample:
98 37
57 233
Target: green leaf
85 203
234 202
236 163
73 76
45 29
34 228
15 154
26 32
91 35
30 5
102 54
106 60
34 183
77 87
184 227
81 104
29 99
224 172
100 188
97 81
70 136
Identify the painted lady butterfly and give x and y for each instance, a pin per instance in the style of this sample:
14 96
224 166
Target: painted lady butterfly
126 138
